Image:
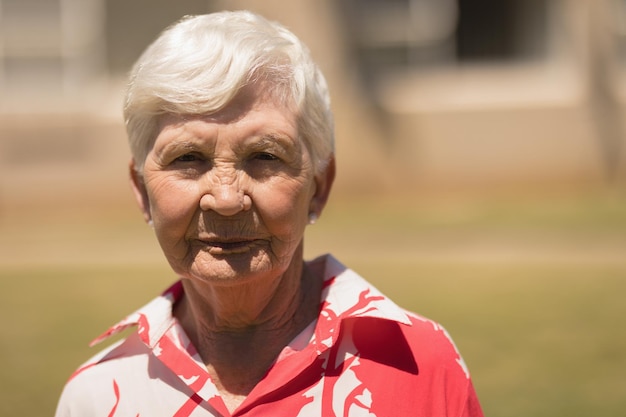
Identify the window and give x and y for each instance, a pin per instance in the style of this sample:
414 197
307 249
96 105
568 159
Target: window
507 30
419 34
30 44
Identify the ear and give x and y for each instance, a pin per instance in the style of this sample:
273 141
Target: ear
139 190
323 182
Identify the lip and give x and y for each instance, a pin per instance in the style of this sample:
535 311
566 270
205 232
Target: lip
216 246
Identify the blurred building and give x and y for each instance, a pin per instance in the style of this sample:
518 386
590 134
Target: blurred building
456 95
496 93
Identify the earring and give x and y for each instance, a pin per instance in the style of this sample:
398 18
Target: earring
151 223
312 218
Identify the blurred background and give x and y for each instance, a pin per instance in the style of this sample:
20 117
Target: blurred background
481 182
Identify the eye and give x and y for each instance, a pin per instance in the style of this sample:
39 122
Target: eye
265 156
188 157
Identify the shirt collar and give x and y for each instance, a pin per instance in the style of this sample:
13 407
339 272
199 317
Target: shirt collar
348 295
345 295
152 320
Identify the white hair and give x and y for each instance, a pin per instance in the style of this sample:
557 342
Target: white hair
198 65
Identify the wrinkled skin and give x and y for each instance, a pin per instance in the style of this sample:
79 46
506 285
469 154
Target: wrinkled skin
230 194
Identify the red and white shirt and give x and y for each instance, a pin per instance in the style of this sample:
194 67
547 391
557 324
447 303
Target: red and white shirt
363 356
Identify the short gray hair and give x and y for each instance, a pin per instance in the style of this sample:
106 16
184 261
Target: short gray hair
198 65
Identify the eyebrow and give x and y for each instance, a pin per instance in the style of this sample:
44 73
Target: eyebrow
177 146
259 143
271 140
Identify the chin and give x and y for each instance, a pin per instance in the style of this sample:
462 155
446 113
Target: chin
231 269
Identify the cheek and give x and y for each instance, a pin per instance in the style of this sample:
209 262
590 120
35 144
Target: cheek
284 207
172 202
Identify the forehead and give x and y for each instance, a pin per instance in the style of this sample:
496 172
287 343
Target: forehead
254 102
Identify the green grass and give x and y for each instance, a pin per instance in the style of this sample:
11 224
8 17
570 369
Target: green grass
540 341
50 316
532 293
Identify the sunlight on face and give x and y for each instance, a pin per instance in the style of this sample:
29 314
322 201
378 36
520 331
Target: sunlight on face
230 193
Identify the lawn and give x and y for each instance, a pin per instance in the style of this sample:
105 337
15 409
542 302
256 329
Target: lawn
532 292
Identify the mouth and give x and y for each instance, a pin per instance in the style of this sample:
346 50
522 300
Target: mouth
230 246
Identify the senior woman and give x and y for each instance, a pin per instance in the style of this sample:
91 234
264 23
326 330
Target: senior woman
231 136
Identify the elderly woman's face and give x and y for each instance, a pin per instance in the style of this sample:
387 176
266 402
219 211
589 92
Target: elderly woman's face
230 194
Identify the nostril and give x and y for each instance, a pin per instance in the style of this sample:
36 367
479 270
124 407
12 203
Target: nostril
207 201
247 202
225 201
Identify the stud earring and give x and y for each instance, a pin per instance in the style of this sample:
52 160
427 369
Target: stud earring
151 223
312 218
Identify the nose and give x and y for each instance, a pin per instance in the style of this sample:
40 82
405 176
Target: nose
225 198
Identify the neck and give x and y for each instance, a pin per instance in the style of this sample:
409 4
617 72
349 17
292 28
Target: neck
270 302
240 330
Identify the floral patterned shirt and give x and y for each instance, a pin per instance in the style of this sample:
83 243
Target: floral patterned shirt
363 356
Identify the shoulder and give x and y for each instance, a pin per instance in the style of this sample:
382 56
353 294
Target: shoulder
374 320
92 388
424 341
431 338
410 367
